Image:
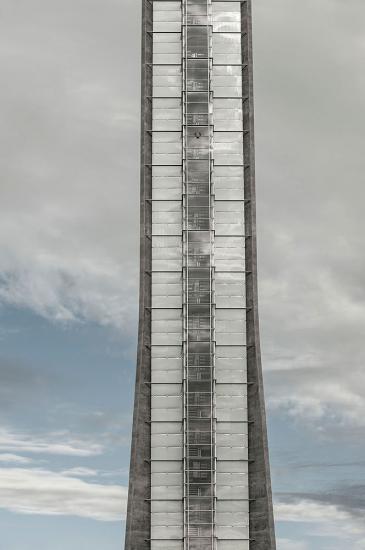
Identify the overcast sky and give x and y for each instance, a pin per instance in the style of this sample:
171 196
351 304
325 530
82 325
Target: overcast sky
69 166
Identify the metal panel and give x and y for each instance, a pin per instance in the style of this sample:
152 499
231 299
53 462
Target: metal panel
231 466
232 453
203 202
167 531
166 389
173 352
231 545
166 376
167 466
233 532
167 545
233 507
167 506
159 479
167 453
231 440
228 519
167 518
166 402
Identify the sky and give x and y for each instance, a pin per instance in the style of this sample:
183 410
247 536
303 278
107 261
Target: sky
69 165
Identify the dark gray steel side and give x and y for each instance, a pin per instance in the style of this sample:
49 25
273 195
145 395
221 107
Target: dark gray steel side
262 531
138 528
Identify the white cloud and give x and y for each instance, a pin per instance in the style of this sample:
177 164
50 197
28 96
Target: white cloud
326 519
288 544
36 491
56 444
70 163
15 459
310 200
80 471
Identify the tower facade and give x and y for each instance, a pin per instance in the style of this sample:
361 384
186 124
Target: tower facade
199 476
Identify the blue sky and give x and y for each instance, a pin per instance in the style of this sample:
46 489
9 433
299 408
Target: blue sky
69 267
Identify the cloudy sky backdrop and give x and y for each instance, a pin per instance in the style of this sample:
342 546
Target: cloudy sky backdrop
69 267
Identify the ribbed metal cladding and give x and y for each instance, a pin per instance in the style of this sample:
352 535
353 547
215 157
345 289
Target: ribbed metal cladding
199 423
199 477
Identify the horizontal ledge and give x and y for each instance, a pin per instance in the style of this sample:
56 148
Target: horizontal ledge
208 392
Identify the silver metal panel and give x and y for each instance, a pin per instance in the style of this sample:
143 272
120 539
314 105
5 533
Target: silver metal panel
169 222
232 440
167 531
233 532
167 518
166 364
167 466
227 413
166 453
230 545
232 466
166 389
233 507
167 545
228 519
232 453
160 414
166 506
166 376
168 492
166 352
160 479
166 402
231 389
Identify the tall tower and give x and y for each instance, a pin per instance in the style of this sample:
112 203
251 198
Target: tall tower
199 476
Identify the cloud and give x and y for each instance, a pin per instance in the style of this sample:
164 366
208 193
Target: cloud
70 164
80 471
338 513
53 443
310 198
36 491
16 459
288 544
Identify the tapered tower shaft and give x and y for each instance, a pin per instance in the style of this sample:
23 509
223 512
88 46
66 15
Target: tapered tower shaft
199 476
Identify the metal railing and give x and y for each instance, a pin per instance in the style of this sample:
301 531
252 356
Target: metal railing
198 307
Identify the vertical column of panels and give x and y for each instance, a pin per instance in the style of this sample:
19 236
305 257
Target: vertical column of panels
232 510
167 322
199 433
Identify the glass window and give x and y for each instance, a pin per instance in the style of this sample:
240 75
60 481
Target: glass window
196 140
196 248
197 97
197 171
198 189
197 13
194 119
199 274
200 373
197 398
200 504
197 154
197 109
197 74
199 412
197 42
